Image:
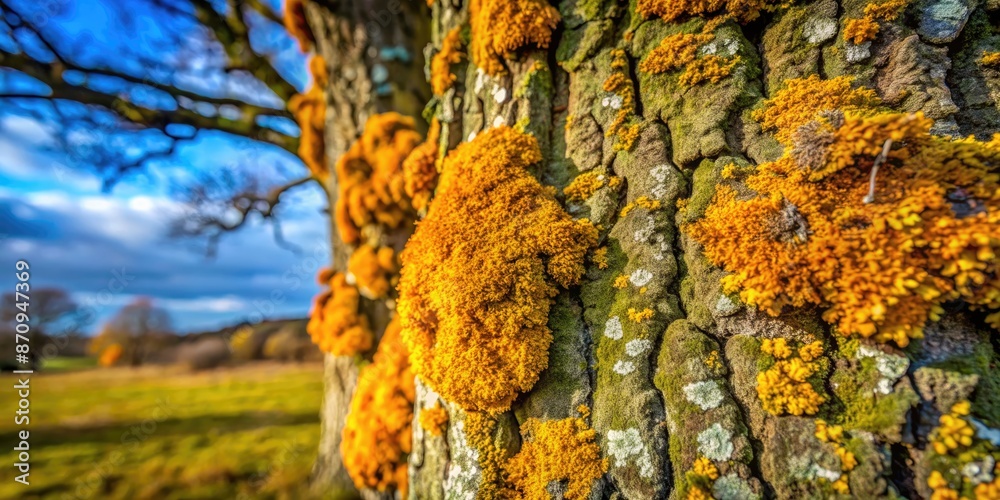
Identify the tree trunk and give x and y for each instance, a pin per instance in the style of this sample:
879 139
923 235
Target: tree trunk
364 79
641 378
923 61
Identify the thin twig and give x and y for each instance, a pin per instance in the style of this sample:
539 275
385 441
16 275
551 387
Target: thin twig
870 198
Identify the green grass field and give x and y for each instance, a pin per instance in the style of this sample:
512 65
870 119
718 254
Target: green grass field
246 432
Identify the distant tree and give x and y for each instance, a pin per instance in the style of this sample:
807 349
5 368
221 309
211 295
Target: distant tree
48 307
138 329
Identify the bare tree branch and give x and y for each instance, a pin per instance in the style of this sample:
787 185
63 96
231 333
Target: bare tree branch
211 221
52 75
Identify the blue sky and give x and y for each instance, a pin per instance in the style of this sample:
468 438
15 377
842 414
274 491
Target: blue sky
55 215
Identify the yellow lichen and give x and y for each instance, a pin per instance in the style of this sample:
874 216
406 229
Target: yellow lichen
499 27
586 184
711 68
434 420
638 316
373 270
309 110
451 53
600 257
674 52
700 479
377 437
803 99
990 59
713 361
671 10
294 18
562 451
865 29
420 171
859 31
621 281
370 176
641 202
888 10
785 386
882 261
953 431
729 171
620 84
480 272
334 323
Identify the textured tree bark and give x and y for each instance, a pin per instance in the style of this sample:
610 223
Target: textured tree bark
373 52
636 378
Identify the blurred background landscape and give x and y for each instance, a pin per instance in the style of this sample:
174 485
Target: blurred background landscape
168 287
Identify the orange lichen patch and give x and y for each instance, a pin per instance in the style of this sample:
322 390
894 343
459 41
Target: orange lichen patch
671 10
373 270
990 59
480 272
586 184
888 10
953 431
882 269
785 386
377 437
674 52
294 18
420 171
564 451
641 202
711 68
863 30
638 316
803 99
434 420
451 53
370 176
600 258
499 27
334 323
309 110
940 488
110 355
620 84
859 31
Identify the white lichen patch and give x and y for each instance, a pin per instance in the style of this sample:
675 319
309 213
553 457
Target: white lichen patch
613 328
662 246
637 347
858 53
981 471
472 135
659 174
640 277
612 101
890 366
819 29
716 442
499 94
644 233
498 121
623 367
463 476
822 472
623 445
645 464
726 306
705 394
480 80
733 487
